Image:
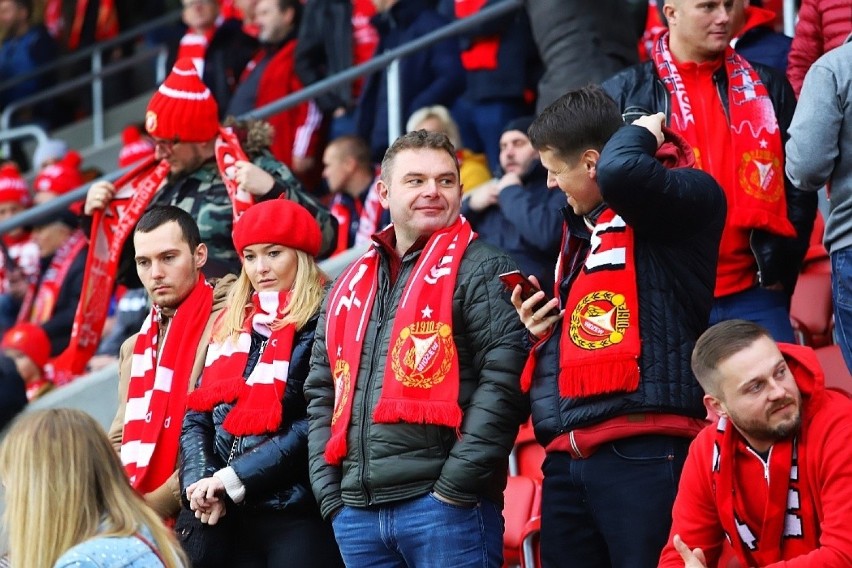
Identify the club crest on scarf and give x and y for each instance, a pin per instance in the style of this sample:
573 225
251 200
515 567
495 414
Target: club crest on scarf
599 320
423 354
342 377
757 175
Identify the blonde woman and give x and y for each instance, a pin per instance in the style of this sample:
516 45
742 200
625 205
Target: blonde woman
68 502
244 440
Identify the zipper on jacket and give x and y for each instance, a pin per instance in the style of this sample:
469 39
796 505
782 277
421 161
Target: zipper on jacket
764 463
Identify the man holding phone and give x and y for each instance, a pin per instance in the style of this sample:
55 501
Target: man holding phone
614 401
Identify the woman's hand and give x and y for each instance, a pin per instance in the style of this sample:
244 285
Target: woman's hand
203 496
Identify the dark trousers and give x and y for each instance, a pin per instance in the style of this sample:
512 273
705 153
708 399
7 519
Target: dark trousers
613 508
274 539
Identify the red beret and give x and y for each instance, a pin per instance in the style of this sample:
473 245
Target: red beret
278 221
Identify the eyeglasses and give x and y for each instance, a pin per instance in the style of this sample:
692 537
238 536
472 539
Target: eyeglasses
165 146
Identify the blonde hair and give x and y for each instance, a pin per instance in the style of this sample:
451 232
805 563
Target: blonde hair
307 298
450 128
64 482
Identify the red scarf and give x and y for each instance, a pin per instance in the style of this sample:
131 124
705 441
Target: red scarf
157 390
110 229
258 407
421 378
38 304
600 346
758 201
229 152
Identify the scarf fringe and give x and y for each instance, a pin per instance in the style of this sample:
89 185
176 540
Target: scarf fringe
335 449
588 380
205 398
390 411
251 418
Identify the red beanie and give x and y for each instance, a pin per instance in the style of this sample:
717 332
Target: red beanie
61 177
278 221
134 147
183 108
13 187
31 340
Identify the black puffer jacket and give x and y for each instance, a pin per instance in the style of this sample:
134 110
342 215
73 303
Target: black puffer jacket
274 467
639 91
392 462
677 218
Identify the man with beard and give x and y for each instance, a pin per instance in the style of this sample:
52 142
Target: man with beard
772 474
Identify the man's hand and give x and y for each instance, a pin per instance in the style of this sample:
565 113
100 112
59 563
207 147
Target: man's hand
508 180
537 322
303 165
691 558
98 196
653 123
253 179
484 196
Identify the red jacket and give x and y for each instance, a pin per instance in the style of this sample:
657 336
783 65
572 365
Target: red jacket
823 25
296 129
827 438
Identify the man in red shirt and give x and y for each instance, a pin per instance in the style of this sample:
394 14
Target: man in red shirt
771 476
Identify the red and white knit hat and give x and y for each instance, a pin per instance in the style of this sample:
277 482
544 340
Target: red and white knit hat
183 108
61 177
134 147
13 187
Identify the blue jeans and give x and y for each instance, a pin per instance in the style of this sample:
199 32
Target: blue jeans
759 305
841 293
421 533
613 508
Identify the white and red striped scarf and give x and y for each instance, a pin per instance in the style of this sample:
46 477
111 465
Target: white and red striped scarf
258 408
39 303
157 391
421 377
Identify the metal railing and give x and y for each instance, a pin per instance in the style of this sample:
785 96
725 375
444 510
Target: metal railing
377 63
26 131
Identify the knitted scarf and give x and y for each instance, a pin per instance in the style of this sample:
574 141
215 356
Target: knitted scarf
156 392
38 304
599 348
758 201
258 407
421 377
228 153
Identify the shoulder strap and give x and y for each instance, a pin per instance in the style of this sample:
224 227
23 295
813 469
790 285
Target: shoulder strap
150 545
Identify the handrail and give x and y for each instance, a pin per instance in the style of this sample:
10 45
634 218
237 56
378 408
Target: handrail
25 131
45 210
88 51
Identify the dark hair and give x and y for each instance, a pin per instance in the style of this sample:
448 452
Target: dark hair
355 147
297 10
720 342
417 140
26 5
578 120
159 215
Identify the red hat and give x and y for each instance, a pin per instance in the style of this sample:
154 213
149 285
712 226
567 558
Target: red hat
278 221
30 339
61 177
134 147
183 108
13 187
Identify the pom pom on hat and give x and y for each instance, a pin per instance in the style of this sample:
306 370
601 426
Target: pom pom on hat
31 340
13 188
134 147
61 177
183 108
278 221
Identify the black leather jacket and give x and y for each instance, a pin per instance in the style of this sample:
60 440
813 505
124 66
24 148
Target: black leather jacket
639 91
272 467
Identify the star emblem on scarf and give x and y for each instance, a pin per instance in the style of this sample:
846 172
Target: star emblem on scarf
426 312
764 143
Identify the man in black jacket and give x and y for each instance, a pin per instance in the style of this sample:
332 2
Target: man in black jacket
735 114
413 397
614 401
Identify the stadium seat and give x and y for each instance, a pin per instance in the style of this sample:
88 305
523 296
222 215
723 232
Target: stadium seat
811 309
522 503
836 372
527 455
531 544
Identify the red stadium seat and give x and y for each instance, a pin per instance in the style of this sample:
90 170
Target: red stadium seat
811 309
522 503
836 372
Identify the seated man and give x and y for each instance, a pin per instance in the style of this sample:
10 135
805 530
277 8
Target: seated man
772 475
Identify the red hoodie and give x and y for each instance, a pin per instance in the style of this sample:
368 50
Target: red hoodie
824 441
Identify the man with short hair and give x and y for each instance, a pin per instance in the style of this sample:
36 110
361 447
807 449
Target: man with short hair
518 212
160 364
351 178
613 400
771 476
735 115
413 395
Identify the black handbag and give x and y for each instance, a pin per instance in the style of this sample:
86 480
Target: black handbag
207 546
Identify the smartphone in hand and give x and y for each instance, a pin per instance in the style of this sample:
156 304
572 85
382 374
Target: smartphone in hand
528 289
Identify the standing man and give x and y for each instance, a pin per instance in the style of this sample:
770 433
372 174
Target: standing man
613 400
771 476
413 395
519 213
819 151
160 364
735 116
